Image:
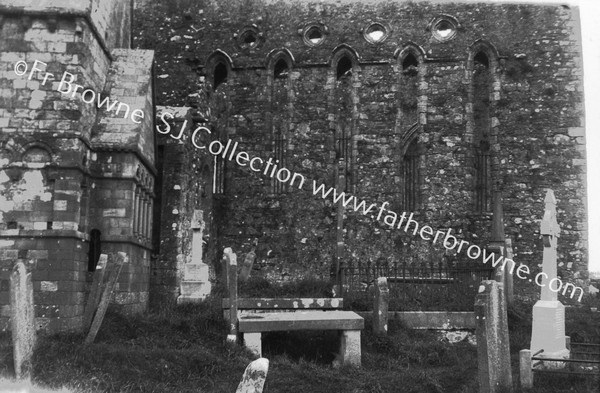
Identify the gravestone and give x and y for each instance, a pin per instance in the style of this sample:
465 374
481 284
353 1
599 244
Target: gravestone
548 327
509 290
195 285
498 245
254 377
231 263
22 319
493 348
248 262
380 307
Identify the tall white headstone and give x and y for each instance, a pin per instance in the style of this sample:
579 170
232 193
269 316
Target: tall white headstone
548 329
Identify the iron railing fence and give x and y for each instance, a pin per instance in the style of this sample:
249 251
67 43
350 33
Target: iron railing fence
426 286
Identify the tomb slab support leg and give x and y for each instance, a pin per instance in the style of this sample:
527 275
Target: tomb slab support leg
350 348
253 342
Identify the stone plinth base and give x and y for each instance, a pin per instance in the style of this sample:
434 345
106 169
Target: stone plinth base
195 286
548 328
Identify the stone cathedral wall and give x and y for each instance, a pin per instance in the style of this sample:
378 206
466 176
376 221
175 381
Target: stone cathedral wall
531 108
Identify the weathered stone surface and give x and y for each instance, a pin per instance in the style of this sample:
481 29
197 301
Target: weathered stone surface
254 377
22 319
493 348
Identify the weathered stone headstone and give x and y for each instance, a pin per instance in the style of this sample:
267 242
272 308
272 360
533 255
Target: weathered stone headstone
122 258
231 262
22 319
498 245
509 291
195 284
254 377
525 370
493 353
380 307
548 328
248 263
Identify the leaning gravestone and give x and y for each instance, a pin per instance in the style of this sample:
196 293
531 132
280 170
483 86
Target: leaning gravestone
107 292
254 377
248 263
22 319
493 353
548 327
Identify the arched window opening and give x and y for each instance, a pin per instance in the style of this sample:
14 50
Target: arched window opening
94 250
483 187
37 155
482 83
410 64
409 91
410 163
220 75
218 175
344 68
281 69
481 60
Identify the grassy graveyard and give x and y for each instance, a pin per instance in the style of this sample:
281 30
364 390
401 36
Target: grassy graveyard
182 349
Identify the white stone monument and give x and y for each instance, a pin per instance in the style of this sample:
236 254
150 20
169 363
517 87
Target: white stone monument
548 329
195 284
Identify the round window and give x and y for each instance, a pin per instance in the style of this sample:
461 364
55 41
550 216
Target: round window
313 35
444 28
376 33
248 39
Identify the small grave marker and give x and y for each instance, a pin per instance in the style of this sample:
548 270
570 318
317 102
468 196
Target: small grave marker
248 262
380 307
231 263
254 377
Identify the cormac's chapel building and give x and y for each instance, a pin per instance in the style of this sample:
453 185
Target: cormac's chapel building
431 107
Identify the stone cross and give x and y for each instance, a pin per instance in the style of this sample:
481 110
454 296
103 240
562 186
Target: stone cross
195 283
548 326
22 319
550 231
